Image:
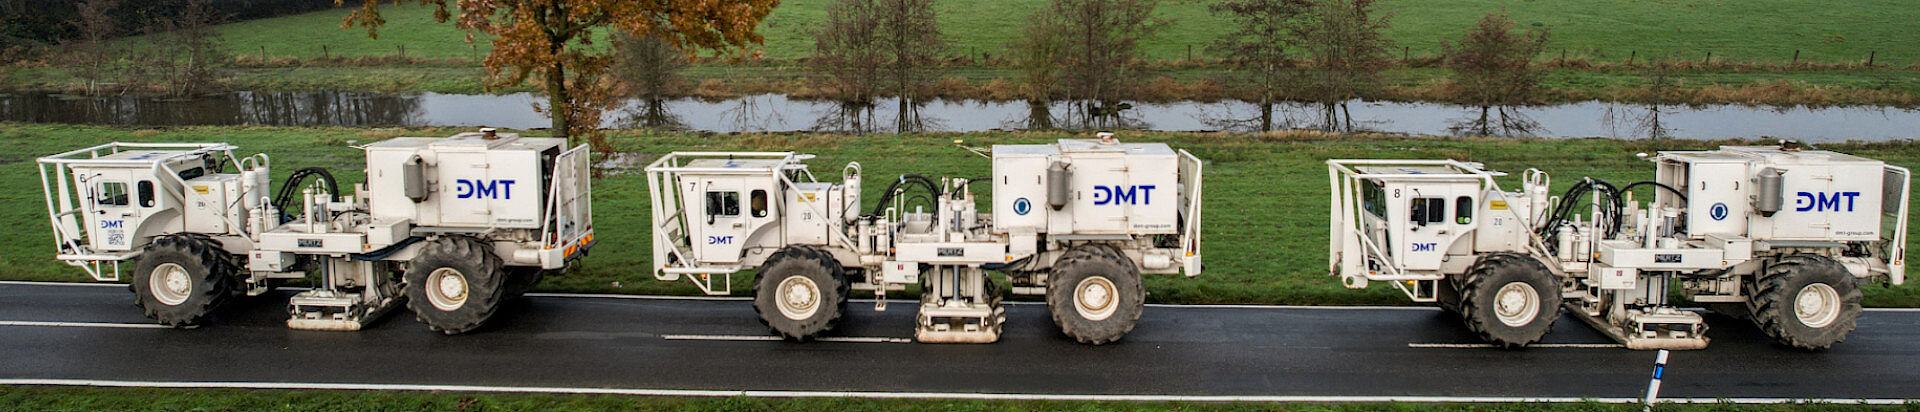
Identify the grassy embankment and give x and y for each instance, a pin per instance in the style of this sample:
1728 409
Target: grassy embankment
89 399
1266 195
1751 45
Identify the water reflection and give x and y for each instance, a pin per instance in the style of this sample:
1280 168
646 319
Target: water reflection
774 113
648 114
300 109
1495 121
1639 122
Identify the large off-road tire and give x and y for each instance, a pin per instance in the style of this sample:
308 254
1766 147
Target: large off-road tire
800 292
455 284
182 278
521 279
1510 300
1094 294
1808 302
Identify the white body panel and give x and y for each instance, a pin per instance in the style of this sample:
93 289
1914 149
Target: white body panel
1120 188
475 182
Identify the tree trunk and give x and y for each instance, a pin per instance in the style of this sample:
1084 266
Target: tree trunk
559 103
1486 128
1349 113
1266 114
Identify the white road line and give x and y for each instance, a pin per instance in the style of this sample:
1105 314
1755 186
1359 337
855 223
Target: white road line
43 283
1536 345
639 297
764 338
84 324
904 395
744 298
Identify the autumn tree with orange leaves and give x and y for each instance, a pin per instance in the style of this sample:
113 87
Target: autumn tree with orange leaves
548 39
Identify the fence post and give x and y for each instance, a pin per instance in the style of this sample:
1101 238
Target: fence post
263 52
1630 55
1189 52
1406 53
1796 57
1870 54
323 52
1709 59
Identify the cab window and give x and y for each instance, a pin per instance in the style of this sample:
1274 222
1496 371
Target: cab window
1373 198
758 200
1428 210
111 194
145 189
724 204
1463 210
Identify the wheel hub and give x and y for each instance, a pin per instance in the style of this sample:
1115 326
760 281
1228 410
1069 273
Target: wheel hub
798 297
171 284
1516 304
1817 305
1094 298
446 289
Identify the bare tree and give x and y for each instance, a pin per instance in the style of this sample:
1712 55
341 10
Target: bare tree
1101 47
1257 46
1036 52
1343 43
93 23
846 59
911 44
184 50
1493 67
648 66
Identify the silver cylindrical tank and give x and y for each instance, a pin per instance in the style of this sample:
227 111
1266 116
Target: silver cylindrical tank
1059 189
413 179
1769 196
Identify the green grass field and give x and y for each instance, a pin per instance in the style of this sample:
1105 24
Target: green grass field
1266 204
26 398
1753 30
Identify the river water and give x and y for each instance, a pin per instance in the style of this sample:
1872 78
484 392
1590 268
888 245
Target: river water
777 113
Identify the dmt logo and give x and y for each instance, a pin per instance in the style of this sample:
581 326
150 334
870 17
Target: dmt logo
483 189
1718 211
1114 195
1822 202
1426 247
112 224
719 240
1021 206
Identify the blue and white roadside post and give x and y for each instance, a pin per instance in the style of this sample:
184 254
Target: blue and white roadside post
1653 386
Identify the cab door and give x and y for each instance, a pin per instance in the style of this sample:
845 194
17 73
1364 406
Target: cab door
1426 235
111 216
722 227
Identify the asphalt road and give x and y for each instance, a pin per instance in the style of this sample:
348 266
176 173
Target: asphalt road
612 342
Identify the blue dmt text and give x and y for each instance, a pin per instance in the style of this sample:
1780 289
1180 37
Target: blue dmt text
1114 195
1823 201
483 189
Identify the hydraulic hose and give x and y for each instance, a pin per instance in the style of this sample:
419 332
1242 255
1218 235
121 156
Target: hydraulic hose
1670 189
932 189
292 186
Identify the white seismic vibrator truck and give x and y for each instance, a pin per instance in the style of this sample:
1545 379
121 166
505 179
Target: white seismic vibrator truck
1077 221
1781 235
451 226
